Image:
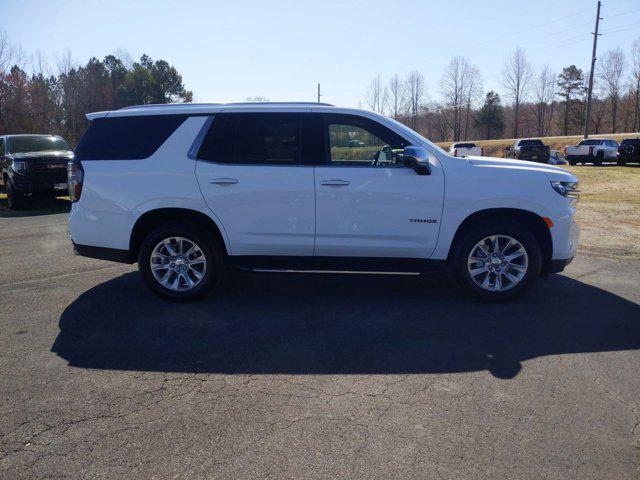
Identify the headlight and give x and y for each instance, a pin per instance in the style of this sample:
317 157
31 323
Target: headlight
19 167
566 189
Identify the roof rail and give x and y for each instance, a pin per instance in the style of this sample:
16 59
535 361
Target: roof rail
155 105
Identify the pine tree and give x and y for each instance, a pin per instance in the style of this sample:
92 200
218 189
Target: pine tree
490 118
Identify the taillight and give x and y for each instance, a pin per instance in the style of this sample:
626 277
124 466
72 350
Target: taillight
75 177
455 152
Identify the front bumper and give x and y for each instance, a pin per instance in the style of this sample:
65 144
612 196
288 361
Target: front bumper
559 265
55 186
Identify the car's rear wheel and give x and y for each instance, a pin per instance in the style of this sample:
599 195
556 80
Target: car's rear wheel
571 161
599 158
16 199
180 262
499 260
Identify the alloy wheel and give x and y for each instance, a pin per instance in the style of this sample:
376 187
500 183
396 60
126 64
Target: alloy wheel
178 264
497 263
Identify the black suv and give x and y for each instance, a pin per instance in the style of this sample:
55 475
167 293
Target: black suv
629 151
531 149
33 165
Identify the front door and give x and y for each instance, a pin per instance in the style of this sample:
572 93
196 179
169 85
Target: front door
253 178
368 204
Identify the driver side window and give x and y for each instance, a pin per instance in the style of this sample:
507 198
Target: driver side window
354 143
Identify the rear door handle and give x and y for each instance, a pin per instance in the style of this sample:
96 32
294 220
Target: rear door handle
224 181
335 183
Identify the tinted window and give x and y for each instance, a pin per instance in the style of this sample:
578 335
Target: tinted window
126 138
219 143
267 139
464 145
356 141
531 143
630 140
257 139
591 142
37 143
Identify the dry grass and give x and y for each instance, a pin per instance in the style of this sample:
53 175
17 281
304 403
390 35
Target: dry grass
495 148
609 210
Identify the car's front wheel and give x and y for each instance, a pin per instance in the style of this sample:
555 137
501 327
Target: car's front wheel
15 198
499 260
180 262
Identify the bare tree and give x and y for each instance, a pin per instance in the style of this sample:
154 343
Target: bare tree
474 93
124 56
39 64
455 89
415 88
376 95
543 94
64 62
396 100
7 53
611 68
516 78
635 82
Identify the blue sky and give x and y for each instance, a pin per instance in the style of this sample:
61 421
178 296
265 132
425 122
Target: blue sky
229 50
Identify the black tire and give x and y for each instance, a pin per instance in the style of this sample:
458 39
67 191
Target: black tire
599 158
213 254
16 200
571 161
497 227
621 162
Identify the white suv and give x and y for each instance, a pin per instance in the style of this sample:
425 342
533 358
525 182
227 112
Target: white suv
188 191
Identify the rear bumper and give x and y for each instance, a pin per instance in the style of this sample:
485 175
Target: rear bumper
102 253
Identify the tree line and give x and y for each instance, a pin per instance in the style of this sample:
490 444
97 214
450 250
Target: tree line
44 102
533 102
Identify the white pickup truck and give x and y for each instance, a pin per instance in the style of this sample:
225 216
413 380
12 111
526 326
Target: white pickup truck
465 149
592 150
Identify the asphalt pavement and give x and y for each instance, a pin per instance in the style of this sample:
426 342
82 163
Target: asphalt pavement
310 376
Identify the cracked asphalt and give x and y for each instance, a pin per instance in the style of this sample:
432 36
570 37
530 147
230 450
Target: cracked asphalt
298 376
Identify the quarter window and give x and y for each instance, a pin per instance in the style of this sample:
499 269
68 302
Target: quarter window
126 138
358 142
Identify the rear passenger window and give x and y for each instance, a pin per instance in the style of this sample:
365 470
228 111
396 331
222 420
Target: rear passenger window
255 139
126 138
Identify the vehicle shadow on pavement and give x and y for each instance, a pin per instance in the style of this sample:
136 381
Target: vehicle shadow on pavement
324 324
36 208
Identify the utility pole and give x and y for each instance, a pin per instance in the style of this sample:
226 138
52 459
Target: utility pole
319 93
593 66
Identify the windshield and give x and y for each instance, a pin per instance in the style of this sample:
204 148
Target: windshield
412 133
36 143
531 143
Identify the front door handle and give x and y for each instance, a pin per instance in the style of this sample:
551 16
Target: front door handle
335 183
224 181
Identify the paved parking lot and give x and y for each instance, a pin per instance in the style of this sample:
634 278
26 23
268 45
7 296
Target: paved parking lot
310 376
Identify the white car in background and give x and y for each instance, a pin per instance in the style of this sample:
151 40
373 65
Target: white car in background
592 150
465 149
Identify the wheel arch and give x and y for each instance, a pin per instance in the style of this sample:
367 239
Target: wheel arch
152 219
532 220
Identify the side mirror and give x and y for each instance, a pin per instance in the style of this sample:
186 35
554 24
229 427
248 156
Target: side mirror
417 158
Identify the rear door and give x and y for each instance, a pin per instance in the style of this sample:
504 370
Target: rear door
368 204
254 177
